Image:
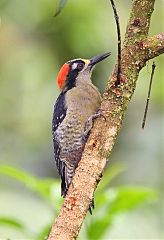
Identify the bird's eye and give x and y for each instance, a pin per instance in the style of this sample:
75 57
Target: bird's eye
80 66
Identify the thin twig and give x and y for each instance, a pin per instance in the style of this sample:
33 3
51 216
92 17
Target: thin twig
148 97
119 42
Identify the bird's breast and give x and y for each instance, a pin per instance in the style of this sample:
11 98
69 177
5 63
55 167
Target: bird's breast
84 100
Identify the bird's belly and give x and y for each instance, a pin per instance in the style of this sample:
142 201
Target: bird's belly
70 132
70 138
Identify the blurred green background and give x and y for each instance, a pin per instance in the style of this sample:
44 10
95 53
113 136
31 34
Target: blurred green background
33 46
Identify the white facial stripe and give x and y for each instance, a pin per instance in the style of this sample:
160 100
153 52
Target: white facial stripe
74 66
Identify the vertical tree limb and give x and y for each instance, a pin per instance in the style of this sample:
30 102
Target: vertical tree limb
136 51
139 22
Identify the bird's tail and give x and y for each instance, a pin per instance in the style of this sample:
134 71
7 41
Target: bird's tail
68 172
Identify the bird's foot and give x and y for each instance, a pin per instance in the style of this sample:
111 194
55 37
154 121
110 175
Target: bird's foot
89 123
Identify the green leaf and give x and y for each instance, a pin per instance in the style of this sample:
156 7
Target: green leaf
44 232
127 198
109 174
98 228
16 224
122 199
11 222
60 6
42 187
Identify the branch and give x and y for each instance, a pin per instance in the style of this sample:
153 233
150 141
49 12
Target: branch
139 22
136 51
148 96
154 46
118 42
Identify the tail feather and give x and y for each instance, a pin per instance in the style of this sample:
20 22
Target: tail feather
63 183
67 175
91 206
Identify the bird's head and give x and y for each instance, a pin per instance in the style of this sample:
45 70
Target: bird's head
77 71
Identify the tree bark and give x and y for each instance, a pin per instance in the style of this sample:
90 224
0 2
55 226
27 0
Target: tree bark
138 48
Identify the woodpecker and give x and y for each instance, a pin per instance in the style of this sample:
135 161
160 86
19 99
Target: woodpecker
74 111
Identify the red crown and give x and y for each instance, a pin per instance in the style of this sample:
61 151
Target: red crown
62 75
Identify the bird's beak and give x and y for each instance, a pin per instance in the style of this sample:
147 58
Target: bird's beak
98 58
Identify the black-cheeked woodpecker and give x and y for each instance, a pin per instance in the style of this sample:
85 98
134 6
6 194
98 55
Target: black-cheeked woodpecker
74 111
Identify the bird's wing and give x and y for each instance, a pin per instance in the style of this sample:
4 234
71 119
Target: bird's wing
59 112
58 116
